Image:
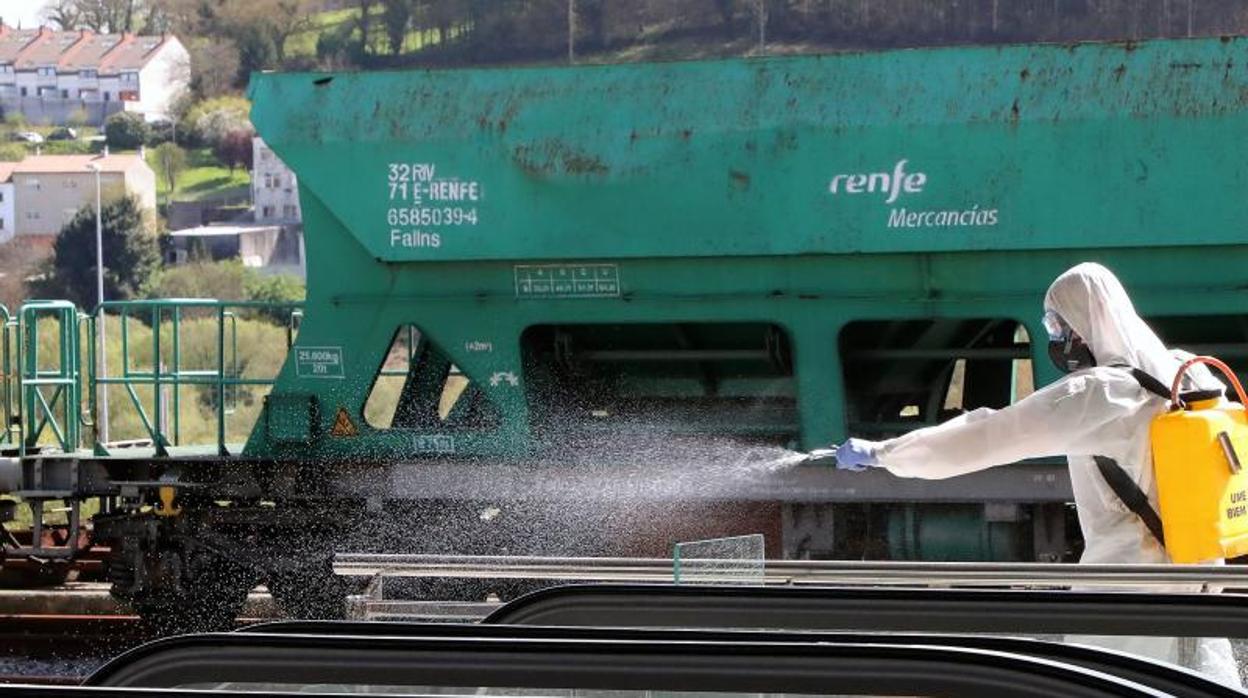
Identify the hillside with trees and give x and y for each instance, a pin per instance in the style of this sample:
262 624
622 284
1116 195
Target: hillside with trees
231 38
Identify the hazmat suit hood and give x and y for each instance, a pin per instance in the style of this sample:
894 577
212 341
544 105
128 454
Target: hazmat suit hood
1090 299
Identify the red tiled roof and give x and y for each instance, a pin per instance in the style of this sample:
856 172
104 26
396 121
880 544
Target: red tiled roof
47 51
89 52
14 41
132 53
71 51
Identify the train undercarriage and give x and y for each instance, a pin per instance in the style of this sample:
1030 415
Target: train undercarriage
190 538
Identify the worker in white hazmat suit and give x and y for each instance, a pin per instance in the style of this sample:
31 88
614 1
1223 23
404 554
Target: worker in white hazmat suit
1098 409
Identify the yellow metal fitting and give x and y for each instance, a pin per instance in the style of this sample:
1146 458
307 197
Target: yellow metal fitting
166 507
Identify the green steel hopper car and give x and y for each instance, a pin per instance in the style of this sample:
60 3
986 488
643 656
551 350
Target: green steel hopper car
594 310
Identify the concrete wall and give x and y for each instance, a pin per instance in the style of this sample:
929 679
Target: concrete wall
8 218
59 111
141 183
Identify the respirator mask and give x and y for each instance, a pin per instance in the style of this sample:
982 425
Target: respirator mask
1066 349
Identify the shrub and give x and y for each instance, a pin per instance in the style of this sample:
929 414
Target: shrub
77 118
225 280
131 255
12 152
234 149
208 121
126 130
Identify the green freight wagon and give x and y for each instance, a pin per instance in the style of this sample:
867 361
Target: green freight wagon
591 301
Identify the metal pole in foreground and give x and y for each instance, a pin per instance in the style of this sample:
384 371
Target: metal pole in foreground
101 427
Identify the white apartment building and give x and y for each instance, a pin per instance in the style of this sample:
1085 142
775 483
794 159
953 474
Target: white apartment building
8 210
274 189
49 75
51 189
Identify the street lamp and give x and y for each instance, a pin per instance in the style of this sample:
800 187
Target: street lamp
101 426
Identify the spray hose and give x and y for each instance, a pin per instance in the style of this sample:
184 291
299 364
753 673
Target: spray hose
1216 363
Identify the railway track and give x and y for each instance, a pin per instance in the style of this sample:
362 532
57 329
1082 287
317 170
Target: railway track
790 572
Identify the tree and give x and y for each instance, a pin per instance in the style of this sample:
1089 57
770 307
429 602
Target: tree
234 149
20 259
214 66
396 16
65 14
276 289
170 162
256 50
207 122
131 255
107 16
126 130
366 12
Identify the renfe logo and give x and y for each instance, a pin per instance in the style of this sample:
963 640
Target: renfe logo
882 182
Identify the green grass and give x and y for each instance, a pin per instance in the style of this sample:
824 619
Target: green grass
14 150
203 179
303 44
261 349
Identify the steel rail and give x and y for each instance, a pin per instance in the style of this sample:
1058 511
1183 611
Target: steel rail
792 572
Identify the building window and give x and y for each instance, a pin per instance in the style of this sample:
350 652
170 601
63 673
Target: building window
267 211
108 96
290 211
1 224
64 94
70 184
129 76
46 72
32 215
277 181
268 180
23 91
88 73
1 197
34 183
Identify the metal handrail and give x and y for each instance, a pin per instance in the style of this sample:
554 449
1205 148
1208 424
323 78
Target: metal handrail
796 572
59 411
10 402
166 370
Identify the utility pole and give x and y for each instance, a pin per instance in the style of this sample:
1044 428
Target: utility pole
762 26
571 31
101 425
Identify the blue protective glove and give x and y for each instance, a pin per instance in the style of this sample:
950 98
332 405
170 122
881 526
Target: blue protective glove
856 455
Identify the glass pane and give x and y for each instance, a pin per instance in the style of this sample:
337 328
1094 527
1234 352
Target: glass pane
735 560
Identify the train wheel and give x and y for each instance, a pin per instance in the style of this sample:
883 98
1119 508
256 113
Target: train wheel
313 592
211 602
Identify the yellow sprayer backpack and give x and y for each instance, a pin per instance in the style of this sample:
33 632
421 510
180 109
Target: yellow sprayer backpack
1201 488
